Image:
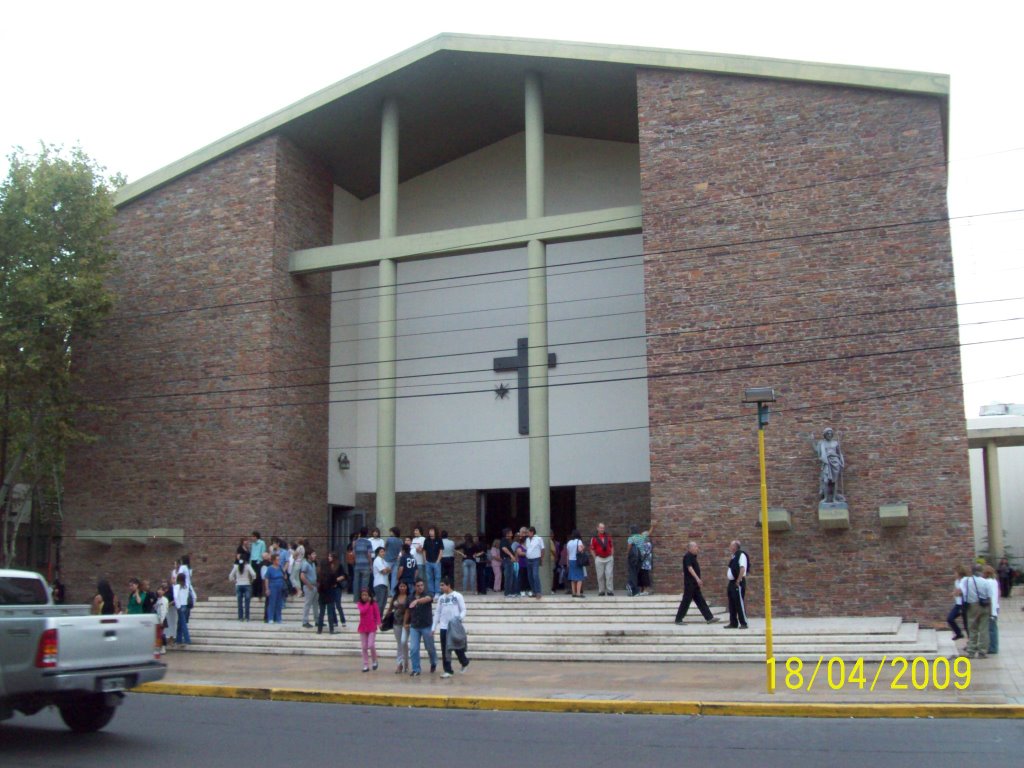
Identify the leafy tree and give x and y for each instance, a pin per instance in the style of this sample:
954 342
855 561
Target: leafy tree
56 218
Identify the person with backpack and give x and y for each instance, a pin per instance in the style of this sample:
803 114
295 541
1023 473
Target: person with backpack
576 549
974 590
637 546
739 565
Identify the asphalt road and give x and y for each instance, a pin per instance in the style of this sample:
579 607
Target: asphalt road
151 731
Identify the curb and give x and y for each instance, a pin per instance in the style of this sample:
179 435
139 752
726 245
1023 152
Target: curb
593 706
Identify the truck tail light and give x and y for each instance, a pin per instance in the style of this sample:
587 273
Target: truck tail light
46 653
158 641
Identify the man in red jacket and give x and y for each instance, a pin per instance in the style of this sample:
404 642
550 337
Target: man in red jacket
604 560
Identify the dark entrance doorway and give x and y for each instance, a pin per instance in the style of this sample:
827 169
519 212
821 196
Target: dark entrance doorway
344 522
510 508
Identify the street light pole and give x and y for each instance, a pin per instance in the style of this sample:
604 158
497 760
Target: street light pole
762 396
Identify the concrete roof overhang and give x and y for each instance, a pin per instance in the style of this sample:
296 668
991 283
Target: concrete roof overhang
460 93
1004 437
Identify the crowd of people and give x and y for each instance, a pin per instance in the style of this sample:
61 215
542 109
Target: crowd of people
976 594
406 585
172 601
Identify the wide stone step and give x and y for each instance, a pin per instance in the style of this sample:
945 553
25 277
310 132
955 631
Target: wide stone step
715 655
559 628
907 633
529 623
923 643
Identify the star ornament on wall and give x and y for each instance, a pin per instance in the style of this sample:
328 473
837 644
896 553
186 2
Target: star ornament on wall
501 391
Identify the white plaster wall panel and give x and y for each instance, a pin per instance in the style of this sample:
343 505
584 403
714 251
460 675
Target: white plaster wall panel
598 394
452 430
352 424
1011 481
489 185
347 217
589 174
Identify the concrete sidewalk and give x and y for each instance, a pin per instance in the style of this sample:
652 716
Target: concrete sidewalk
622 686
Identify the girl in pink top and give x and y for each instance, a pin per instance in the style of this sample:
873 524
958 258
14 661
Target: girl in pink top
369 623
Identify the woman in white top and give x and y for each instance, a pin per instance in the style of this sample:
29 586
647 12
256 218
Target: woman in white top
172 611
181 596
573 547
186 569
243 575
161 607
450 606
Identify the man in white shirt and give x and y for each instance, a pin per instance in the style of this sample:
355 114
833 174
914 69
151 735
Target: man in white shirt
381 579
534 558
993 627
450 607
417 549
977 598
737 592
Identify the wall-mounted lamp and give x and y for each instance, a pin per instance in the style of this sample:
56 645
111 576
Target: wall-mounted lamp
343 462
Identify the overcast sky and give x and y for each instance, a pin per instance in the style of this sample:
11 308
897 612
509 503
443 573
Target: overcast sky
141 84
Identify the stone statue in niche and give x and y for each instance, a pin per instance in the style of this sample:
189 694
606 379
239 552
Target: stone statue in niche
830 455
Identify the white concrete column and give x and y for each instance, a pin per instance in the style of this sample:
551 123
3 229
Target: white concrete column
387 314
993 500
537 323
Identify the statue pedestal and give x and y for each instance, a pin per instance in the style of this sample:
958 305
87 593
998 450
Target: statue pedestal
834 514
779 519
894 515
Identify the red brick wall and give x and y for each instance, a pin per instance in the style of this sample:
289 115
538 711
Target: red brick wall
741 179
171 451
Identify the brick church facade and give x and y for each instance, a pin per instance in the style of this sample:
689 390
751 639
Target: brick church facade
783 225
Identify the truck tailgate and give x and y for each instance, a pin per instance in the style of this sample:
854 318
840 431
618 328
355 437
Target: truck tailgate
89 642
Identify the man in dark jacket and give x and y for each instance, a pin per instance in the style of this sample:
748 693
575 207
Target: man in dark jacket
692 584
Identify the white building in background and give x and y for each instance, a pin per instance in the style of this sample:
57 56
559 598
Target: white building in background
999 428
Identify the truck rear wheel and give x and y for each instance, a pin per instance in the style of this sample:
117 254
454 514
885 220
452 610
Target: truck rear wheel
88 714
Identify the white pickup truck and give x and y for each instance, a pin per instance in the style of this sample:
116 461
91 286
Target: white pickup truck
62 656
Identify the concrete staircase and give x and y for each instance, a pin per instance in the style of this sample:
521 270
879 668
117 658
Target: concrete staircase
559 628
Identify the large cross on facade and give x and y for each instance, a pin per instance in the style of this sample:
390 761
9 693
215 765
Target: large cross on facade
520 364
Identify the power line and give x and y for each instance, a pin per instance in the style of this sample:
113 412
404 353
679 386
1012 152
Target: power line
954 162
754 279
515 270
678 332
648 377
645 356
817 234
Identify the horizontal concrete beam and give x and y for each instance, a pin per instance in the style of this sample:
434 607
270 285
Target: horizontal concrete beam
483 237
1004 437
133 535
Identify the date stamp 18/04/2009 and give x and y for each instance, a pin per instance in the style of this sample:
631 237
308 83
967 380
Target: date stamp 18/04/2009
918 673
